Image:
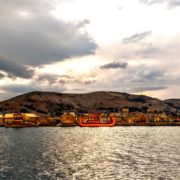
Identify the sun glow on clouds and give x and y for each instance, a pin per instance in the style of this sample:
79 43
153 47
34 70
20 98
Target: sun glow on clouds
103 16
24 14
108 24
12 82
162 94
72 66
145 93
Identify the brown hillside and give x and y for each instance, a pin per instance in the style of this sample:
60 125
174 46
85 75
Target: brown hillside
56 103
173 102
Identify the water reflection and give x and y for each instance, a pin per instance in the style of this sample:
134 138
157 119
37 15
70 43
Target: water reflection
90 153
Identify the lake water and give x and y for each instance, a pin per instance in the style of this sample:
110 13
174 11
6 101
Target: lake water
90 153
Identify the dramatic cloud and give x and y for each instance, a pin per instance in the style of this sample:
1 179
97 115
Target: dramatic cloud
162 51
173 3
63 80
148 88
14 69
63 46
90 81
137 78
50 78
136 37
170 3
2 76
157 48
31 36
16 89
115 65
145 74
9 91
54 79
34 5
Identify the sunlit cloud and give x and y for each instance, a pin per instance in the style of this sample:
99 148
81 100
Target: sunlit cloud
169 3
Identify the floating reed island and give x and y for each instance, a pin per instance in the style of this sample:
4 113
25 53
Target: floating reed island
99 119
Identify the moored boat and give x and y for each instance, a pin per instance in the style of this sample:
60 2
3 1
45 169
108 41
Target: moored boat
1 120
96 120
13 120
68 119
30 119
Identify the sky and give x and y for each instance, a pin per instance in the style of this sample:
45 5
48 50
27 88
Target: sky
80 46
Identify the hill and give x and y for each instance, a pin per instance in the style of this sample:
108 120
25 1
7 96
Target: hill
53 103
173 103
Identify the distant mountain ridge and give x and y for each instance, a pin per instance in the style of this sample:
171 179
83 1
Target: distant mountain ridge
53 103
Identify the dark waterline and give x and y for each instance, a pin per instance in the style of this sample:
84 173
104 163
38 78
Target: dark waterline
90 153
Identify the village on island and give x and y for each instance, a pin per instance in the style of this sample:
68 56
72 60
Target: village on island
96 119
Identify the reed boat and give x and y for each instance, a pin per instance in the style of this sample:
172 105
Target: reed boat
96 120
68 119
13 120
1 120
30 119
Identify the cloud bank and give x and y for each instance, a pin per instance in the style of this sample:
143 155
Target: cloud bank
170 3
14 69
30 35
41 51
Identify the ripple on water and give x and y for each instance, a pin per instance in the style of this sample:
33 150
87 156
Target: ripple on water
90 153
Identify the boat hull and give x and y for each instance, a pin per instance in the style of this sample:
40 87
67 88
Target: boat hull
13 124
68 119
97 124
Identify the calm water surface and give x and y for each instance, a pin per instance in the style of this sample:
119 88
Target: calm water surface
90 153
